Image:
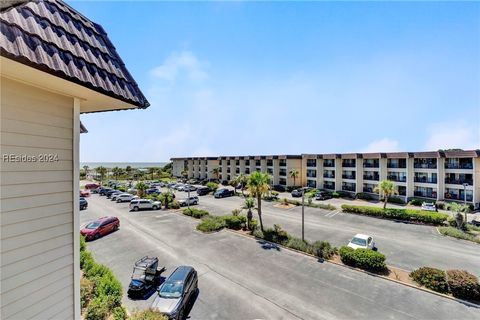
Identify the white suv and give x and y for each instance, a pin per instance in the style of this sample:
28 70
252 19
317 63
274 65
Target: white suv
188 201
124 197
144 204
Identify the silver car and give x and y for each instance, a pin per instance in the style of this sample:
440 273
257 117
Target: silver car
175 294
124 197
188 201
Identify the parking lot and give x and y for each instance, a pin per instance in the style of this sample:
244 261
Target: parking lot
240 278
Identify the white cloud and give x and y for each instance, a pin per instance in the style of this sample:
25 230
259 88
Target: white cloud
456 134
382 145
177 63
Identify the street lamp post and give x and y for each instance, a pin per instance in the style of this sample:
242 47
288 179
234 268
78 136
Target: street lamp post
188 199
465 185
303 214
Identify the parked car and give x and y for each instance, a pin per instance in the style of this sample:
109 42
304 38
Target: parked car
188 201
203 191
113 193
132 190
475 222
153 191
429 206
279 188
103 191
83 203
175 293
189 187
85 193
144 204
362 241
124 197
179 187
100 227
222 193
146 276
89 186
297 193
323 195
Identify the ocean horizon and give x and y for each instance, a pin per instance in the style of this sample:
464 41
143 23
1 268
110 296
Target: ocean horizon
137 165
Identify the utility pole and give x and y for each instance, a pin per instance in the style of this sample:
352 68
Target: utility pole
188 199
303 214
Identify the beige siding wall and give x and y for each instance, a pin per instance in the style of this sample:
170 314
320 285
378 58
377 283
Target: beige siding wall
36 209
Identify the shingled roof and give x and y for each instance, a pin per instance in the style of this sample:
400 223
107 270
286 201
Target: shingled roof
51 36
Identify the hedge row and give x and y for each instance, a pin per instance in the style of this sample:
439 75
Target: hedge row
313 205
365 259
212 223
195 213
100 290
398 214
460 283
320 249
459 234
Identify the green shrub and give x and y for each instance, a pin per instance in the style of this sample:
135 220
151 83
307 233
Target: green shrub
257 233
299 244
98 309
86 291
275 234
395 200
363 258
398 214
119 313
459 234
463 285
235 222
86 261
108 285
431 278
253 224
213 186
323 249
441 205
195 213
149 314
364 196
236 211
274 194
335 195
174 205
83 243
211 223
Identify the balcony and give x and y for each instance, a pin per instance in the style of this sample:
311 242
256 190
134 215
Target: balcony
371 165
459 181
348 164
371 177
460 197
397 178
467 166
329 163
348 176
421 194
425 180
327 175
397 165
425 166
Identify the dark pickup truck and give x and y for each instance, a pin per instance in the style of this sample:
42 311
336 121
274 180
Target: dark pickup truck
222 193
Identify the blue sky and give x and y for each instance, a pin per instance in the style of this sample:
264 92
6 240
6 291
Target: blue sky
287 78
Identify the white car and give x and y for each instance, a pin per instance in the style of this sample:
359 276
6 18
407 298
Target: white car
429 206
114 195
188 201
362 241
124 197
144 204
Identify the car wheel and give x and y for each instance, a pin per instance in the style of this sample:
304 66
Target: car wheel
155 208
135 208
118 201
181 314
96 236
115 228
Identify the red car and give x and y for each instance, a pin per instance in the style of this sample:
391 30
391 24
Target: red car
84 193
100 227
91 186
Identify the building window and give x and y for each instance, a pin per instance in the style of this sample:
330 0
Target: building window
269 162
311 183
369 187
348 186
459 163
282 163
247 170
329 174
371 175
425 163
397 176
348 175
311 162
282 172
371 163
424 177
329 185
397 163
425 192
329 163
402 190
270 171
257 163
247 162
348 163
311 173
282 181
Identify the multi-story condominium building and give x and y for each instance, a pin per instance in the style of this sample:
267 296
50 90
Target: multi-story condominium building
436 175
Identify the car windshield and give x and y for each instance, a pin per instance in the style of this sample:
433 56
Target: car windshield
171 289
359 241
82 199
92 225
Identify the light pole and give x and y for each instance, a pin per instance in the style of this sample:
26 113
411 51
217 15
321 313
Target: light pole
465 185
303 214
188 198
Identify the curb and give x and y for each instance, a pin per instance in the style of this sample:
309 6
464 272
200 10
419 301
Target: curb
471 304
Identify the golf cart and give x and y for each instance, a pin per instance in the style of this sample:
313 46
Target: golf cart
145 276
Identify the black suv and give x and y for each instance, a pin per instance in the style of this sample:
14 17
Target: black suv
222 193
323 195
203 191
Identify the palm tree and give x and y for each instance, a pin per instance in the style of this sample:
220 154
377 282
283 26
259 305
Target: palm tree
458 209
128 170
386 188
85 169
141 188
166 198
259 185
249 204
151 171
116 172
294 174
216 172
242 180
102 171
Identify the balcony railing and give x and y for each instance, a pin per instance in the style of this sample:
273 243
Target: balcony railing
425 180
459 181
432 195
348 165
348 176
397 178
425 166
453 196
397 165
458 165
370 165
373 178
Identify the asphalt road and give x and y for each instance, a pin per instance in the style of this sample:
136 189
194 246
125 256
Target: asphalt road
240 278
407 246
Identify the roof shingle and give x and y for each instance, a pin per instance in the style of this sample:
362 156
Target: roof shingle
53 37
